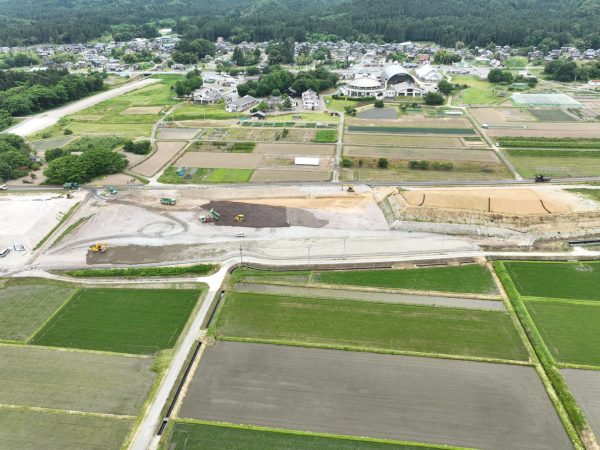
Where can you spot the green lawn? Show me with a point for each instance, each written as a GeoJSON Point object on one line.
{"type": "Point", "coordinates": [191, 111]}
{"type": "Point", "coordinates": [471, 278]}
{"type": "Point", "coordinates": [27, 429]}
{"type": "Point", "coordinates": [141, 321]}
{"type": "Point", "coordinates": [326, 136]}
{"type": "Point", "coordinates": [556, 280]}
{"type": "Point", "coordinates": [369, 326]}
{"type": "Point", "coordinates": [26, 304]}
{"type": "Point", "coordinates": [569, 329]}
{"type": "Point", "coordinates": [170, 176]}
{"type": "Point", "coordinates": [516, 62]}
{"type": "Point", "coordinates": [339, 105]}
{"type": "Point", "coordinates": [195, 436]}
{"type": "Point", "coordinates": [479, 92]}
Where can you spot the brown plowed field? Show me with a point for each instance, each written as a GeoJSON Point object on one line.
{"type": "Point", "coordinates": [403, 141]}
{"type": "Point", "coordinates": [211, 160]}
{"type": "Point", "coordinates": [421, 154]}
{"type": "Point", "coordinates": [295, 149]}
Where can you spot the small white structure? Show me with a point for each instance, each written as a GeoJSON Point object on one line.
{"type": "Point", "coordinates": [594, 83]}
{"type": "Point", "coordinates": [310, 100]}
{"type": "Point", "coordinates": [306, 161]}
{"type": "Point", "coordinates": [429, 74]}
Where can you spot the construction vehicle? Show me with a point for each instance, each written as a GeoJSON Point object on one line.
{"type": "Point", "coordinates": [211, 217]}
{"type": "Point", "coordinates": [542, 179]}
{"type": "Point", "coordinates": [3, 187]}
{"type": "Point", "coordinates": [110, 190]}
{"type": "Point", "coordinates": [168, 201]}
{"type": "Point", "coordinates": [240, 218]}
{"type": "Point", "coordinates": [98, 247]}
{"type": "Point", "coordinates": [71, 186]}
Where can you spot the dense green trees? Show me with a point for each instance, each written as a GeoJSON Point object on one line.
{"type": "Point", "coordinates": [192, 51]}
{"type": "Point", "coordinates": [275, 81]}
{"type": "Point", "coordinates": [192, 81]}
{"type": "Point", "coordinates": [433, 98]}
{"type": "Point", "coordinates": [138, 148]}
{"type": "Point", "coordinates": [23, 93]}
{"type": "Point", "coordinates": [500, 76]}
{"type": "Point", "coordinates": [446, 57]}
{"type": "Point", "coordinates": [245, 58]}
{"type": "Point", "coordinates": [281, 52]}
{"type": "Point", "coordinates": [568, 70]}
{"type": "Point", "coordinates": [82, 168]}
{"type": "Point", "coordinates": [14, 157]}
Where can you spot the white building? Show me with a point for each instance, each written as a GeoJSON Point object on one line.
{"type": "Point", "coordinates": [394, 81]}
{"type": "Point", "coordinates": [235, 103]}
{"type": "Point", "coordinates": [363, 87]}
{"type": "Point", "coordinates": [310, 100]}
{"type": "Point", "coordinates": [429, 74]}
{"type": "Point", "coordinates": [206, 95]}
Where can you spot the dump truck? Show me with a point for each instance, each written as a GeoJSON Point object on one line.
{"type": "Point", "coordinates": [71, 186]}
{"type": "Point", "coordinates": [211, 217]}
{"type": "Point", "coordinates": [542, 179]}
{"type": "Point", "coordinates": [99, 247]}
{"type": "Point", "coordinates": [168, 201]}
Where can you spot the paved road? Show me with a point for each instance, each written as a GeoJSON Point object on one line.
{"type": "Point", "coordinates": [338, 150]}
{"type": "Point", "coordinates": [48, 118]}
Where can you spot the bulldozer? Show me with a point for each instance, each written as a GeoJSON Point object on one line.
{"type": "Point", "coordinates": [240, 218]}
{"type": "Point", "coordinates": [98, 247]}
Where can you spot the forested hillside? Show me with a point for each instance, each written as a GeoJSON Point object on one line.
{"type": "Point", "coordinates": [548, 23]}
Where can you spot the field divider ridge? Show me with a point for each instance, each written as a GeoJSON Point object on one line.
{"type": "Point", "coordinates": [65, 411]}
{"type": "Point", "coordinates": [54, 314]}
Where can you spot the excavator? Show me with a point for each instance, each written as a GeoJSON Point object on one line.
{"type": "Point", "coordinates": [98, 247]}
{"type": "Point", "coordinates": [240, 218]}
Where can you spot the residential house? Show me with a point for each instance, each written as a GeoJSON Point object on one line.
{"type": "Point", "coordinates": [235, 103]}
{"type": "Point", "coordinates": [429, 74]}
{"type": "Point", "coordinates": [310, 100]}
{"type": "Point", "coordinates": [206, 96]}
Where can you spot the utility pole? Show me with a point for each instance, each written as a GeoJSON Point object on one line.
{"type": "Point", "coordinates": [241, 254]}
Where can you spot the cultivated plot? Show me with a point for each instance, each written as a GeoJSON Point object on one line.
{"type": "Point", "coordinates": [570, 329]}
{"type": "Point", "coordinates": [383, 327]}
{"type": "Point", "coordinates": [404, 141]}
{"type": "Point", "coordinates": [26, 304]}
{"type": "Point", "coordinates": [429, 154]}
{"type": "Point", "coordinates": [164, 153]}
{"type": "Point", "coordinates": [74, 380]}
{"type": "Point", "coordinates": [584, 385]}
{"type": "Point", "coordinates": [577, 280]}
{"type": "Point", "coordinates": [470, 278]}
{"type": "Point", "coordinates": [34, 430]}
{"type": "Point", "coordinates": [555, 163]}
{"type": "Point", "coordinates": [438, 401]}
{"type": "Point", "coordinates": [140, 321]}
{"type": "Point", "coordinates": [189, 436]}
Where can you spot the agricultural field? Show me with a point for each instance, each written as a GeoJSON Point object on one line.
{"type": "Point", "coordinates": [358, 325]}
{"type": "Point", "coordinates": [380, 396]}
{"type": "Point", "coordinates": [577, 280]}
{"type": "Point", "coordinates": [188, 435]}
{"type": "Point", "coordinates": [403, 141]}
{"type": "Point", "coordinates": [556, 143]}
{"type": "Point", "coordinates": [26, 304]}
{"type": "Point", "coordinates": [570, 329]}
{"type": "Point", "coordinates": [164, 153]}
{"type": "Point", "coordinates": [584, 384]}
{"type": "Point", "coordinates": [429, 154]}
{"type": "Point", "coordinates": [479, 92]}
{"type": "Point", "coordinates": [136, 321]}
{"type": "Point", "coordinates": [410, 130]}
{"type": "Point", "coordinates": [555, 163]}
{"type": "Point", "coordinates": [190, 111]}
{"type": "Point", "coordinates": [552, 115]}
{"type": "Point", "coordinates": [29, 429]}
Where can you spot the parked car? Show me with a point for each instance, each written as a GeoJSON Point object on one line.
{"type": "Point", "coordinates": [4, 252]}
{"type": "Point", "coordinates": [3, 187]}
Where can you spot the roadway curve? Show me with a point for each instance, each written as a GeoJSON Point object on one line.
{"type": "Point", "coordinates": [46, 119]}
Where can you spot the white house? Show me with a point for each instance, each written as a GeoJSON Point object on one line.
{"type": "Point", "coordinates": [429, 74]}
{"type": "Point", "coordinates": [206, 95]}
{"type": "Point", "coordinates": [310, 100]}
{"type": "Point", "coordinates": [235, 103]}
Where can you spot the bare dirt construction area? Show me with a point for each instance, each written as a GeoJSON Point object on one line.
{"type": "Point", "coordinates": [137, 110]}
{"type": "Point", "coordinates": [164, 153]}
{"type": "Point", "coordinates": [294, 149]}
{"type": "Point", "coordinates": [404, 141]}
{"type": "Point", "coordinates": [177, 133]}
{"type": "Point", "coordinates": [116, 179]}
{"type": "Point", "coordinates": [584, 385]}
{"type": "Point", "coordinates": [383, 396]}
{"type": "Point", "coordinates": [262, 216]}
{"type": "Point", "coordinates": [541, 129]}
{"type": "Point", "coordinates": [502, 201]}
{"type": "Point", "coordinates": [421, 154]}
{"type": "Point", "coordinates": [27, 218]}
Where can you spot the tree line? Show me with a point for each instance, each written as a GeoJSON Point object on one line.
{"type": "Point", "coordinates": [542, 23]}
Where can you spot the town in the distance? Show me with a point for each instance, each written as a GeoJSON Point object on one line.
{"type": "Point", "coordinates": [306, 241]}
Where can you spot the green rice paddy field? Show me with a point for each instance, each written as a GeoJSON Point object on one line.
{"type": "Point", "coordinates": [139, 321]}
{"type": "Point", "coordinates": [369, 326]}
{"type": "Point", "coordinates": [471, 278]}
{"type": "Point", "coordinates": [580, 280]}
{"type": "Point", "coordinates": [570, 329]}
{"type": "Point", "coordinates": [194, 436]}
{"type": "Point", "coordinates": [35, 430]}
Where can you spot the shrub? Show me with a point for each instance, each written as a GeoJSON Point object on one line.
{"type": "Point", "coordinates": [285, 133]}
{"type": "Point", "coordinates": [54, 153]}
{"type": "Point", "coordinates": [346, 162]}
{"type": "Point", "coordinates": [383, 163]}
{"type": "Point", "coordinates": [378, 104]}
{"type": "Point", "coordinates": [418, 165]}
{"type": "Point", "coordinates": [442, 165]}
{"type": "Point", "coordinates": [138, 148]}
{"type": "Point", "coordinates": [433, 98]}
{"type": "Point", "coordinates": [67, 132]}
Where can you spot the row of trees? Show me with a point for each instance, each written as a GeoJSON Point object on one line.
{"type": "Point", "coordinates": [29, 92]}
{"type": "Point", "coordinates": [568, 70]}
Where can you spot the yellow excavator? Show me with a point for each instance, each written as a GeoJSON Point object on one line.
{"type": "Point", "coordinates": [240, 218]}
{"type": "Point", "coordinates": [98, 247]}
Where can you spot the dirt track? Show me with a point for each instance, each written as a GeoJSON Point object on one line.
{"type": "Point", "coordinates": [164, 153]}
{"type": "Point", "coordinates": [472, 404]}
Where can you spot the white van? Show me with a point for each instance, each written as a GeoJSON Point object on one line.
{"type": "Point", "coordinates": [4, 252]}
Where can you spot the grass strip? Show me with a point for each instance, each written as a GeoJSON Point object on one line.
{"type": "Point", "coordinates": [69, 229]}
{"type": "Point", "coordinates": [139, 272]}
{"type": "Point", "coordinates": [541, 142]}
{"type": "Point", "coordinates": [208, 435]}
{"type": "Point", "coordinates": [566, 398]}
{"type": "Point", "coordinates": [65, 217]}
{"type": "Point", "coordinates": [555, 153]}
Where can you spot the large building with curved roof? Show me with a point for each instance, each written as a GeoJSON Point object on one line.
{"type": "Point", "coordinates": [394, 80]}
